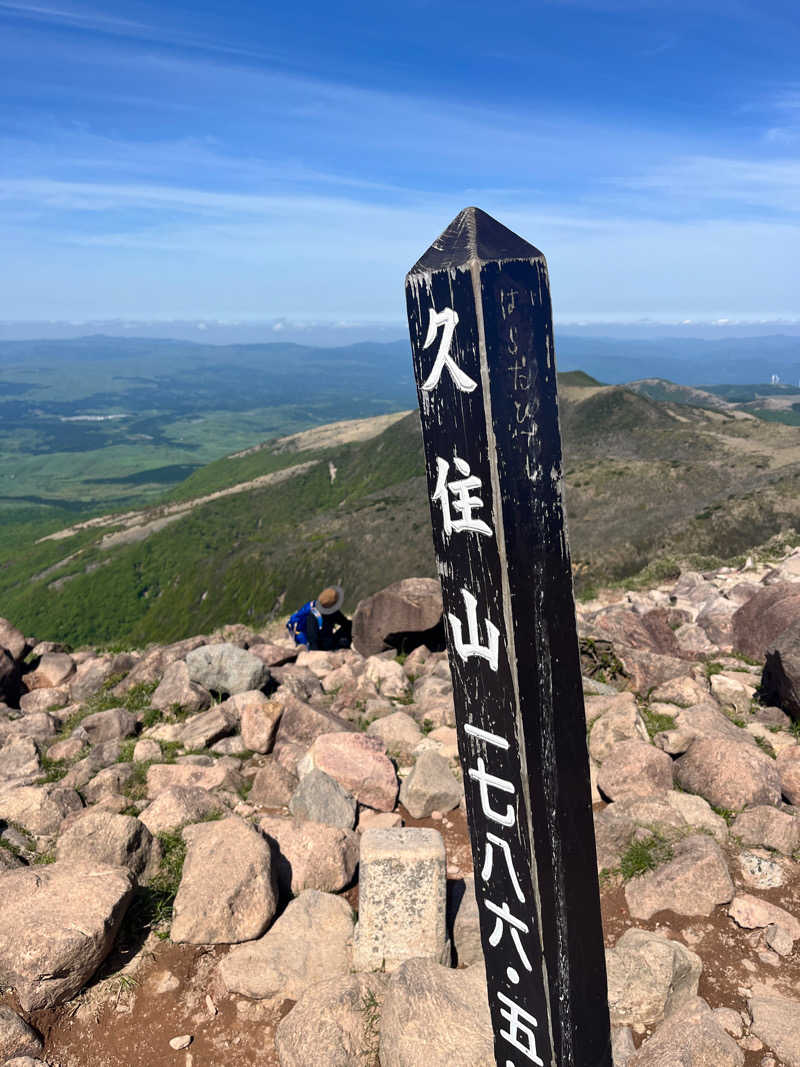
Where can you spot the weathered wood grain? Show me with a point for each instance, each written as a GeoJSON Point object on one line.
{"type": "Point", "coordinates": [481, 335]}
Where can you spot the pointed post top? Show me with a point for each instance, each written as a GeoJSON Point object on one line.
{"type": "Point", "coordinates": [473, 236]}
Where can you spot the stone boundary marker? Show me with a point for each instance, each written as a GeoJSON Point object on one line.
{"type": "Point", "coordinates": [402, 886]}
{"type": "Point", "coordinates": [481, 335]}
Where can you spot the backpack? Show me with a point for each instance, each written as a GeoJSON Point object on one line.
{"type": "Point", "coordinates": [297, 623]}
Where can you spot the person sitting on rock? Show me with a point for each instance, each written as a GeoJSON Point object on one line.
{"type": "Point", "coordinates": [320, 624]}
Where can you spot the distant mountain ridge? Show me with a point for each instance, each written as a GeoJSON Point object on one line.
{"type": "Point", "coordinates": [254, 533]}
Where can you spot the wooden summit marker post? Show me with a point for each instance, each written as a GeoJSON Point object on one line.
{"type": "Point", "coordinates": [481, 334]}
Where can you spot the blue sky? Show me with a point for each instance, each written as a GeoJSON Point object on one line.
{"type": "Point", "coordinates": [268, 161]}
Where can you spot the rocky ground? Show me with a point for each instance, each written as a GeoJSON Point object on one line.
{"type": "Point", "coordinates": [220, 852]}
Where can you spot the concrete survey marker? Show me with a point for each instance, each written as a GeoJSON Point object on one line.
{"type": "Point", "coordinates": [481, 335]}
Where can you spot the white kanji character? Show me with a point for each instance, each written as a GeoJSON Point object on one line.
{"type": "Point", "coordinates": [485, 735]}
{"type": "Point", "coordinates": [488, 863]}
{"type": "Point", "coordinates": [515, 925]}
{"type": "Point", "coordinates": [464, 503]}
{"type": "Point", "coordinates": [448, 318]}
{"type": "Point", "coordinates": [520, 1030]}
{"type": "Point", "coordinates": [490, 651]}
{"type": "Point", "coordinates": [484, 780]}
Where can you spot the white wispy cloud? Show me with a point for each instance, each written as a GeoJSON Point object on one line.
{"type": "Point", "coordinates": [763, 183]}
{"type": "Point", "coordinates": [93, 20]}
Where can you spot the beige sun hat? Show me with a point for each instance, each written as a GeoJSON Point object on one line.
{"type": "Point", "coordinates": [330, 600]}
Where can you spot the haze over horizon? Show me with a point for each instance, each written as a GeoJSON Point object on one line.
{"type": "Point", "coordinates": [221, 162]}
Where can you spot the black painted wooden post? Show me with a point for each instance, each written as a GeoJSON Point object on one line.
{"type": "Point", "coordinates": [481, 334]}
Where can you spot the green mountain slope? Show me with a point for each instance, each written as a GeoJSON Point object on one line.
{"type": "Point", "coordinates": [250, 537]}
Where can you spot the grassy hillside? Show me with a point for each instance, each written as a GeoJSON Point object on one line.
{"type": "Point", "coordinates": [647, 483]}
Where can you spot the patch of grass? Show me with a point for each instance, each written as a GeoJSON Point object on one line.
{"type": "Point", "coordinates": [737, 720]}
{"type": "Point", "coordinates": [370, 1009]}
{"type": "Point", "coordinates": [151, 717]}
{"type": "Point", "coordinates": [126, 750]}
{"type": "Point", "coordinates": [643, 856]}
{"type": "Point", "coordinates": [170, 750]}
{"type": "Point", "coordinates": [765, 746]}
{"type": "Point", "coordinates": [401, 657]}
{"type": "Point", "coordinates": [53, 770]}
{"type": "Point", "coordinates": [151, 908]}
{"type": "Point", "coordinates": [712, 668]}
{"type": "Point", "coordinates": [212, 816]}
{"type": "Point", "coordinates": [748, 660]}
{"type": "Point", "coordinates": [598, 660]}
{"type": "Point", "coordinates": [10, 847]}
{"type": "Point", "coordinates": [136, 788]}
{"type": "Point", "coordinates": [726, 813]}
{"type": "Point", "coordinates": [426, 727]}
{"type": "Point", "coordinates": [794, 729]}
{"type": "Point", "coordinates": [245, 787]}
{"type": "Point", "coordinates": [43, 858]}
{"type": "Point", "coordinates": [138, 697]}
{"type": "Point", "coordinates": [656, 722]}
{"type": "Point", "coordinates": [179, 713]}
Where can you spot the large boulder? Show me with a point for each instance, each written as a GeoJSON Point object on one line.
{"type": "Point", "coordinates": [431, 786]}
{"type": "Point", "coordinates": [19, 760]}
{"type": "Point", "coordinates": [178, 806]}
{"type": "Point", "coordinates": [789, 771]}
{"type": "Point", "coordinates": [635, 769]}
{"type": "Point", "coordinates": [311, 855]}
{"type": "Point", "coordinates": [273, 786]}
{"type": "Point", "coordinates": [775, 1021]}
{"type": "Point", "coordinates": [152, 666]}
{"type": "Point", "coordinates": [258, 717]}
{"type": "Point", "coordinates": [16, 1037]}
{"type": "Point", "coordinates": [228, 886]}
{"type": "Point", "coordinates": [729, 774]}
{"type": "Point", "coordinates": [622, 626]}
{"type": "Point", "coordinates": [320, 798]}
{"type": "Point", "coordinates": [780, 680]}
{"type": "Point", "coordinates": [407, 613]}
{"type": "Point", "coordinates": [57, 925]}
{"type": "Point", "coordinates": [219, 774]}
{"type": "Point", "coordinates": [334, 1023]}
{"type": "Point", "coordinates": [114, 840]}
{"type": "Point", "coordinates": [693, 882]}
{"type": "Point", "coordinates": [39, 809]}
{"type": "Point", "coordinates": [12, 639]}
{"type": "Point", "coordinates": [399, 732]}
{"type": "Point", "coordinates": [54, 668]}
{"type": "Point", "coordinates": [177, 690]}
{"type": "Point", "coordinates": [764, 617]}
{"type": "Point", "coordinates": [225, 668]}
{"type": "Point", "coordinates": [9, 679]}
{"type": "Point", "coordinates": [310, 943]}
{"type": "Point", "coordinates": [360, 765]}
{"type": "Point", "coordinates": [649, 977]}
{"type": "Point", "coordinates": [766, 827]}
{"type": "Point", "coordinates": [300, 725]}
{"type": "Point", "coordinates": [110, 725]}
{"type": "Point", "coordinates": [615, 725]}
{"type": "Point", "coordinates": [690, 1037]}
{"type": "Point", "coordinates": [204, 729]}
{"type": "Point", "coordinates": [436, 1017]}
{"type": "Point", "coordinates": [42, 700]}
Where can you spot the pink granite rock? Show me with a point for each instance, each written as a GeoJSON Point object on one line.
{"type": "Point", "coordinates": [360, 764]}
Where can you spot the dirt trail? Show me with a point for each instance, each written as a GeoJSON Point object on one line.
{"type": "Point", "coordinates": [136, 525]}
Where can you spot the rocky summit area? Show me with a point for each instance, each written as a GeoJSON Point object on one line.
{"type": "Point", "coordinates": [226, 851]}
